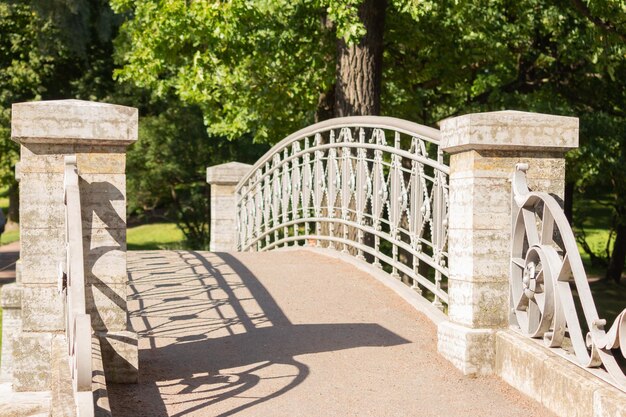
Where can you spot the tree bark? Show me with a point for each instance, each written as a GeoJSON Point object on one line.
{"type": "Point", "coordinates": [325, 106]}
{"type": "Point", "coordinates": [618, 256]}
{"type": "Point", "coordinates": [359, 65]}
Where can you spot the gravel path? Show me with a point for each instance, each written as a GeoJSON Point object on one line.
{"type": "Point", "coordinates": [288, 334]}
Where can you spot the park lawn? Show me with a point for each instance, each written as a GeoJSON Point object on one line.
{"type": "Point", "coordinates": [154, 236]}
{"type": "Point", "coordinates": [609, 297]}
{"type": "Point", "coordinates": [4, 202]}
{"type": "Point", "coordinates": [10, 236]}
{"type": "Point", "coordinates": [13, 234]}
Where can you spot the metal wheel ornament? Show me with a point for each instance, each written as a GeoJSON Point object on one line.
{"type": "Point", "coordinates": [544, 258]}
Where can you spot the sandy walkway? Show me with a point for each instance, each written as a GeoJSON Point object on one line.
{"type": "Point", "coordinates": [288, 334]}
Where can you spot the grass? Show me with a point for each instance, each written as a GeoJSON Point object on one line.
{"type": "Point", "coordinates": [12, 232]}
{"type": "Point", "coordinates": [10, 236]}
{"type": "Point", "coordinates": [154, 236]}
{"type": "Point", "coordinates": [609, 297]}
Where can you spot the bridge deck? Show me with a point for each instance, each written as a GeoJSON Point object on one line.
{"type": "Point", "coordinates": [288, 334]}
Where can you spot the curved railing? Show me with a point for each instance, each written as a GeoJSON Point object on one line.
{"type": "Point", "coordinates": [375, 187]}
{"type": "Point", "coordinates": [544, 258]}
{"type": "Point", "coordinates": [72, 287]}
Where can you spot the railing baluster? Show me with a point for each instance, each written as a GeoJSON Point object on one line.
{"type": "Point", "coordinates": [341, 191]}
{"type": "Point", "coordinates": [78, 322]}
{"type": "Point", "coordinates": [307, 178]}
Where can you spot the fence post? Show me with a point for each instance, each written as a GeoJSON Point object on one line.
{"type": "Point", "coordinates": [223, 180]}
{"type": "Point", "coordinates": [484, 148]}
{"type": "Point", "coordinates": [98, 135]}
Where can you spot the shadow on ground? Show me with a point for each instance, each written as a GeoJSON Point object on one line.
{"type": "Point", "coordinates": [212, 333]}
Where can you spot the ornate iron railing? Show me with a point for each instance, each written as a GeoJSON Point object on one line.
{"type": "Point", "coordinates": [544, 259]}
{"type": "Point", "coordinates": [72, 287]}
{"type": "Point", "coordinates": [375, 187]}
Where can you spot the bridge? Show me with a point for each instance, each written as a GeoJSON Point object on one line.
{"type": "Point", "coordinates": [363, 266]}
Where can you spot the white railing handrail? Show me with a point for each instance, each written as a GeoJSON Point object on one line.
{"type": "Point", "coordinates": [544, 259]}
{"type": "Point", "coordinates": [383, 122]}
{"type": "Point", "coordinates": [72, 285]}
{"type": "Point", "coordinates": [375, 187]}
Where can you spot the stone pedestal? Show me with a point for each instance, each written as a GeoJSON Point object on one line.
{"type": "Point", "coordinates": [98, 135]}
{"type": "Point", "coordinates": [223, 180]}
{"type": "Point", "coordinates": [484, 149]}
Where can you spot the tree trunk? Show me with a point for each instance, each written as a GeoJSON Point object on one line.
{"type": "Point", "coordinates": [618, 257]}
{"type": "Point", "coordinates": [14, 203]}
{"type": "Point", "coordinates": [325, 106]}
{"type": "Point", "coordinates": [359, 66]}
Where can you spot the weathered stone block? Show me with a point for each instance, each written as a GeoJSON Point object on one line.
{"type": "Point", "coordinates": [561, 386]}
{"type": "Point", "coordinates": [11, 296]}
{"type": "Point", "coordinates": [478, 304]}
{"type": "Point", "coordinates": [72, 121]}
{"type": "Point", "coordinates": [499, 163]}
{"type": "Point", "coordinates": [509, 130]}
{"type": "Point", "coordinates": [105, 265]}
{"type": "Point", "coordinates": [609, 402]}
{"type": "Point", "coordinates": [41, 200]}
{"type": "Point", "coordinates": [42, 309]}
{"type": "Point", "coordinates": [41, 241]}
{"type": "Point", "coordinates": [479, 255]}
{"type": "Point", "coordinates": [120, 355]}
{"type": "Point", "coordinates": [43, 158]}
{"type": "Point", "coordinates": [41, 269]}
{"type": "Point", "coordinates": [224, 179]}
{"type": "Point", "coordinates": [104, 215]}
{"type": "Point", "coordinates": [11, 302]}
{"type": "Point", "coordinates": [106, 303]}
{"type": "Point", "coordinates": [470, 350]}
{"type": "Point", "coordinates": [567, 389]}
{"type": "Point", "coordinates": [521, 363]}
{"type": "Point", "coordinates": [32, 354]}
{"type": "Point", "coordinates": [100, 160]}
{"type": "Point", "coordinates": [228, 173]}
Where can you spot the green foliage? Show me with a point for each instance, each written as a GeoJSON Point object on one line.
{"type": "Point", "coordinates": [259, 68]}
{"type": "Point", "coordinates": [25, 65]}
{"type": "Point", "coordinates": [252, 67]}
{"type": "Point", "coordinates": [167, 168]}
{"type": "Point", "coordinates": [51, 49]}
{"type": "Point", "coordinates": [155, 236]}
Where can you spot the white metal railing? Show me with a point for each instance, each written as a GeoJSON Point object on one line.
{"type": "Point", "coordinates": [544, 259]}
{"type": "Point", "coordinates": [374, 187]}
{"type": "Point", "coordinates": [72, 287]}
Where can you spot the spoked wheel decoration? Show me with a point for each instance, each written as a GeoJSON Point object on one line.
{"type": "Point", "coordinates": [544, 258]}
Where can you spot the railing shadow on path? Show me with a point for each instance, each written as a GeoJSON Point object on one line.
{"type": "Point", "coordinates": [225, 345]}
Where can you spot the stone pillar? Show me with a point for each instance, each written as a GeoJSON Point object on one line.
{"type": "Point", "coordinates": [98, 135]}
{"type": "Point", "coordinates": [11, 303]}
{"type": "Point", "coordinates": [223, 180]}
{"type": "Point", "coordinates": [484, 149]}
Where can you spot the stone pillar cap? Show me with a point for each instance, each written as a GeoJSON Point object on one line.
{"type": "Point", "coordinates": [228, 173]}
{"type": "Point", "coordinates": [509, 130]}
{"type": "Point", "coordinates": [73, 122]}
